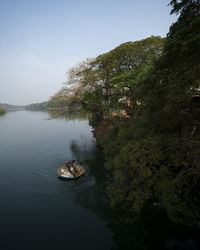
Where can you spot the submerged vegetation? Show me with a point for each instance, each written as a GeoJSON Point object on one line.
{"type": "Point", "coordinates": [149, 90]}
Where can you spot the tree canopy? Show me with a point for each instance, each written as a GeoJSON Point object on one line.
{"type": "Point", "coordinates": [158, 157]}
{"type": "Point", "coordinates": [153, 155]}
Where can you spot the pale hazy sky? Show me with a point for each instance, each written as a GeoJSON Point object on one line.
{"type": "Point", "coordinates": [41, 39]}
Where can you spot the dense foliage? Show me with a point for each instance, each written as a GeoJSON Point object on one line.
{"type": "Point", "coordinates": [115, 75]}
{"type": "Point", "coordinates": [153, 155]}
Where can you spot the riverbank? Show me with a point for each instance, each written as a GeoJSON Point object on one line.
{"type": "Point", "coordinates": [102, 128]}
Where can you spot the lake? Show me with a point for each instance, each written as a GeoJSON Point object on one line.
{"type": "Point", "coordinates": [40, 211]}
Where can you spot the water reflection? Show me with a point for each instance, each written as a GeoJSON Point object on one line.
{"type": "Point", "coordinates": [151, 231]}
{"type": "Point", "coordinates": [70, 115]}
{"type": "Point", "coordinates": [36, 206]}
{"type": "Point", "coordinates": [47, 212]}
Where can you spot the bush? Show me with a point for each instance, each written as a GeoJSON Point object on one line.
{"type": "Point", "coordinates": [2, 111]}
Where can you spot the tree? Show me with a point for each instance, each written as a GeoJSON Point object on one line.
{"type": "Point", "coordinates": [127, 60]}
{"type": "Point", "coordinates": [181, 50]}
{"type": "Point", "coordinates": [149, 158]}
{"type": "Point", "coordinates": [73, 89]}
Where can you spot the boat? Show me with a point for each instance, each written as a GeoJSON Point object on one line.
{"type": "Point", "coordinates": [63, 172]}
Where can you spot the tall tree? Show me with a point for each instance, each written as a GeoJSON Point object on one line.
{"type": "Point", "coordinates": [149, 158]}
{"type": "Point", "coordinates": [128, 58]}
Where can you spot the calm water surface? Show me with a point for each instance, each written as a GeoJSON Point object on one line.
{"type": "Point", "coordinates": [40, 211]}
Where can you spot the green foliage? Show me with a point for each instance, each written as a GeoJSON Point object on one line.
{"type": "Point", "coordinates": [152, 158]}
{"type": "Point", "coordinates": [92, 102]}
{"type": "Point", "coordinates": [105, 84]}
{"type": "Point", "coordinates": [181, 50]}
{"type": "Point", "coordinates": [2, 111]}
{"type": "Point", "coordinates": [118, 71]}
{"type": "Point", "coordinates": [158, 167]}
{"type": "Point", "coordinates": [126, 86]}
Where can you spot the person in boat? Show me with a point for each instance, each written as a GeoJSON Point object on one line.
{"type": "Point", "coordinates": [70, 166]}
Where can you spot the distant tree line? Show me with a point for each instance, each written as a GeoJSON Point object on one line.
{"type": "Point", "coordinates": [154, 154]}
{"type": "Point", "coordinates": [37, 106]}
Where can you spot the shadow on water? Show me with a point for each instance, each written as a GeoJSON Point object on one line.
{"type": "Point", "coordinates": [152, 230]}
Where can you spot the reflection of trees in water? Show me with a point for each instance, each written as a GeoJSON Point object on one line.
{"type": "Point", "coordinates": [151, 231]}
{"type": "Point", "coordinates": [90, 156]}
{"type": "Point", "coordinates": [67, 115]}
{"type": "Point", "coordinates": [91, 193]}
{"type": "Point", "coordinates": [91, 190]}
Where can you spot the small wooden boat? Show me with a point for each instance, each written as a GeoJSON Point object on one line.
{"type": "Point", "coordinates": [63, 172]}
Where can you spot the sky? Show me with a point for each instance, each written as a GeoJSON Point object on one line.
{"type": "Point", "coordinates": [41, 39]}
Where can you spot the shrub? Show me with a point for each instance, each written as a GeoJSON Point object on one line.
{"type": "Point", "coordinates": [2, 111]}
